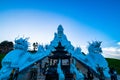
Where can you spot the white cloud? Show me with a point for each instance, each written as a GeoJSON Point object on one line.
{"type": "Point", "coordinates": [112, 49]}
{"type": "Point", "coordinates": [111, 52]}
{"type": "Point", "coordinates": [118, 43]}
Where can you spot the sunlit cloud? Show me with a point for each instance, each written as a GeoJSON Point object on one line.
{"type": "Point", "coordinates": [112, 49]}
{"type": "Point", "coordinates": [118, 43]}
{"type": "Point", "coordinates": [112, 52]}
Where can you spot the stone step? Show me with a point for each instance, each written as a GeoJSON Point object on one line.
{"type": "Point", "coordinates": [41, 77]}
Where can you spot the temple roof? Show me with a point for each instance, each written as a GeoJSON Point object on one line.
{"type": "Point", "coordinates": [60, 53]}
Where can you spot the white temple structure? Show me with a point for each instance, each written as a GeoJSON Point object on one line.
{"type": "Point", "coordinates": [24, 60]}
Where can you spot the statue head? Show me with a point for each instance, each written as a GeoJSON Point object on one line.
{"type": "Point", "coordinates": [94, 47]}
{"type": "Point", "coordinates": [60, 31]}
{"type": "Point", "coordinates": [21, 43]}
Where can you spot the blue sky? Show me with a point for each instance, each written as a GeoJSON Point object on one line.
{"type": "Point", "coordinates": [83, 21]}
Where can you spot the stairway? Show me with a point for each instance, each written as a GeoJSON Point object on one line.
{"type": "Point", "coordinates": [40, 76]}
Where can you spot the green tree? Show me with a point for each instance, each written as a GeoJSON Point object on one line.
{"type": "Point", "coordinates": [6, 46]}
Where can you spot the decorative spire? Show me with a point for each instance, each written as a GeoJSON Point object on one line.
{"type": "Point", "coordinates": [60, 31]}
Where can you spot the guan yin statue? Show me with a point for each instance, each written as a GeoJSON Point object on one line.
{"type": "Point", "coordinates": [61, 59]}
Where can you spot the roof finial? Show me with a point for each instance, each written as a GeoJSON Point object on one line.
{"type": "Point", "coordinates": [60, 30]}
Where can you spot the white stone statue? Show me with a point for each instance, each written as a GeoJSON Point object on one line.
{"type": "Point", "coordinates": [95, 57]}
{"type": "Point", "coordinates": [60, 31]}
{"type": "Point", "coordinates": [12, 59]}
